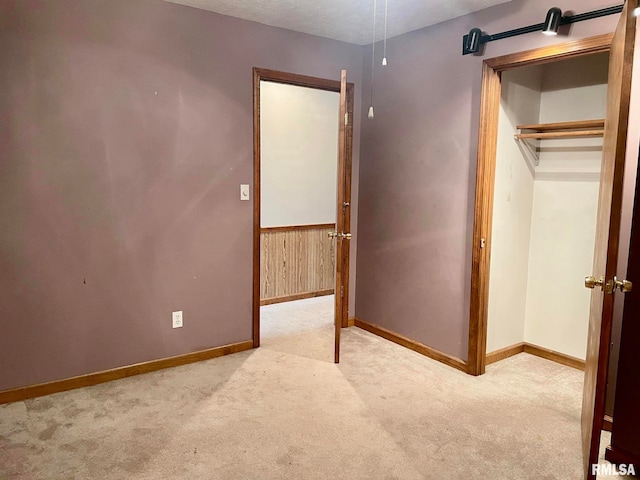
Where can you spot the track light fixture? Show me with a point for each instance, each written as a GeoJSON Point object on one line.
{"type": "Point", "coordinates": [472, 41]}
{"type": "Point", "coordinates": [552, 22]}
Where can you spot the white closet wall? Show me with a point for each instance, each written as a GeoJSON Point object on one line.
{"type": "Point", "coordinates": [565, 200]}
{"type": "Point", "coordinates": [512, 208]}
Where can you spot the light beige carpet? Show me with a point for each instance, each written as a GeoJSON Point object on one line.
{"type": "Point", "coordinates": [285, 411]}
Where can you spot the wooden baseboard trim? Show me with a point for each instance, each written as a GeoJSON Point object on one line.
{"type": "Point", "coordinates": [33, 391]}
{"type": "Point", "coordinates": [531, 349]}
{"type": "Point", "coordinates": [351, 322]}
{"type": "Point", "coordinates": [503, 353]}
{"type": "Point", "coordinates": [297, 296]}
{"type": "Point", "coordinates": [607, 424]}
{"type": "Point", "coordinates": [554, 356]}
{"type": "Point", "coordinates": [412, 345]}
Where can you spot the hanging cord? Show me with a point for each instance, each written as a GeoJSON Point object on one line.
{"type": "Point", "coordinates": [386, 15]}
{"type": "Point", "coordinates": [373, 56]}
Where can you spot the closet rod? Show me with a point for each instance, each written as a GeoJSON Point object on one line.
{"type": "Point", "coordinates": [563, 134]}
{"type": "Point", "coordinates": [580, 124]}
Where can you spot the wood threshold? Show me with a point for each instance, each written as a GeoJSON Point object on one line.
{"type": "Point", "coordinates": [564, 134]}
{"type": "Point", "coordinates": [578, 124]}
{"type": "Point", "coordinates": [412, 345]}
{"type": "Point", "coordinates": [503, 353]}
{"type": "Point", "coordinates": [88, 380]}
{"type": "Point", "coordinates": [294, 228]}
{"type": "Point", "coordinates": [296, 296]}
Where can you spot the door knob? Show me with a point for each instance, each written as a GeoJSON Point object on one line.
{"type": "Point", "coordinates": [591, 282]}
{"type": "Point", "coordinates": [625, 286]}
{"type": "Point", "coordinates": [346, 236]}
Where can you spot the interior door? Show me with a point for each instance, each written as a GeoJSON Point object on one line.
{"type": "Point", "coordinates": [607, 233]}
{"type": "Point", "coordinates": [341, 234]}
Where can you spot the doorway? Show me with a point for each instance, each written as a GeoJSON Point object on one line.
{"type": "Point", "coordinates": [493, 71]}
{"type": "Point", "coordinates": [302, 190]}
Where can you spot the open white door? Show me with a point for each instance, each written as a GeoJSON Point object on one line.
{"type": "Point", "coordinates": [604, 281]}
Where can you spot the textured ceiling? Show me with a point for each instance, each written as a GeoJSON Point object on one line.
{"type": "Point", "coordinates": [347, 20]}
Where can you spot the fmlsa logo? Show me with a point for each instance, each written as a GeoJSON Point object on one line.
{"type": "Point", "coordinates": [621, 470]}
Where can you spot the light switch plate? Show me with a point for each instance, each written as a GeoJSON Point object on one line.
{"type": "Point", "coordinates": [244, 192]}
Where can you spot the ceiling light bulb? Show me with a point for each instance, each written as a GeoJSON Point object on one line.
{"type": "Point", "coordinates": [370, 112]}
{"type": "Point", "coordinates": [384, 62]}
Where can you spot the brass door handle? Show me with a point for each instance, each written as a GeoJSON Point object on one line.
{"type": "Point", "coordinates": [346, 236]}
{"type": "Point", "coordinates": [591, 282]}
{"type": "Point", "coordinates": [625, 286]}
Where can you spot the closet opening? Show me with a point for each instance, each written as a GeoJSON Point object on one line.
{"type": "Point", "coordinates": [545, 205]}
{"type": "Point", "coordinates": [559, 142]}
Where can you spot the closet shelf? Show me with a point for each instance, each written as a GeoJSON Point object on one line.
{"type": "Point", "coordinates": [578, 129]}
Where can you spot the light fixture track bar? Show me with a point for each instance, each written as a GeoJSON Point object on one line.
{"type": "Point", "coordinates": [591, 15]}
{"type": "Point", "coordinates": [515, 32]}
{"type": "Point", "coordinates": [471, 45]}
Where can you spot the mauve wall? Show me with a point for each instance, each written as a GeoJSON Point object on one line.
{"type": "Point", "coordinates": [126, 130]}
{"type": "Point", "coordinates": [418, 166]}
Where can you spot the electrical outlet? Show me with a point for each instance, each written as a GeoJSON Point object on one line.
{"type": "Point", "coordinates": [176, 319]}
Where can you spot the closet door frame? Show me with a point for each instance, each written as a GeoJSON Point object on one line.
{"type": "Point", "coordinates": [485, 176]}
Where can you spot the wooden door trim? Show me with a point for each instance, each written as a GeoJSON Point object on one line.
{"type": "Point", "coordinates": [263, 74]}
{"type": "Point", "coordinates": [485, 176]}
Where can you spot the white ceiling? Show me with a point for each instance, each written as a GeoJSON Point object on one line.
{"type": "Point", "coordinates": [346, 20]}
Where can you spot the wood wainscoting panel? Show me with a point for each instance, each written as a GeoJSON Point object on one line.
{"type": "Point", "coordinates": [296, 262]}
